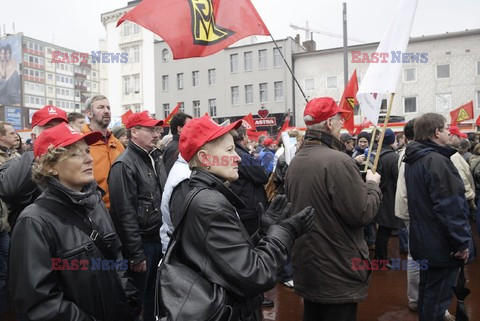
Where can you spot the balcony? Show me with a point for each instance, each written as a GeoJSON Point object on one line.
{"type": "Point", "coordinates": [81, 76]}
{"type": "Point", "coordinates": [33, 65]}
{"type": "Point", "coordinates": [81, 88]}
{"type": "Point", "coordinates": [34, 52]}
{"type": "Point", "coordinates": [86, 65]}
{"type": "Point", "coordinates": [34, 79]}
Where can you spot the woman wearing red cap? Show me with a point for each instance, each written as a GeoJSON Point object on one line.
{"type": "Point", "coordinates": [210, 238]}
{"type": "Point", "coordinates": [67, 256]}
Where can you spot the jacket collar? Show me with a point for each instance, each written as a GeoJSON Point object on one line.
{"type": "Point", "coordinates": [140, 151]}
{"type": "Point", "coordinates": [203, 178]}
{"type": "Point", "coordinates": [237, 145]}
{"type": "Point", "coordinates": [315, 137]}
{"type": "Point", "coordinates": [176, 137]}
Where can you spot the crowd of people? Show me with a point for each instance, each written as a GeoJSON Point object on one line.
{"type": "Point", "coordinates": [122, 224]}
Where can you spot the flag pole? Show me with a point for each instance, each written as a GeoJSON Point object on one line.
{"type": "Point", "coordinates": [289, 69]}
{"type": "Point", "coordinates": [382, 135]}
{"type": "Point", "coordinates": [370, 148]}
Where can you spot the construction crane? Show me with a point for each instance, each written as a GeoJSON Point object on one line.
{"type": "Point", "coordinates": [309, 30]}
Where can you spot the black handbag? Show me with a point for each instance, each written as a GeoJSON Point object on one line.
{"type": "Point", "coordinates": [185, 294]}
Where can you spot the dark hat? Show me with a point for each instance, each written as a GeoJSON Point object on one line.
{"type": "Point", "coordinates": [345, 137]}
{"type": "Point", "coordinates": [389, 137]}
{"type": "Point", "coordinates": [118, 131]}
{"type": "Point", "coordinates": [364, 135]}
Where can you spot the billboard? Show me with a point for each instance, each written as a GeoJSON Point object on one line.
{"type": "Point", "coordinates": [13, 115]}
{"type": "Point", "coordinates": [10, 59]}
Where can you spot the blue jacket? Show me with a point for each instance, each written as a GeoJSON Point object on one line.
{"type": "Point", "coordinates": [267, 158]}
{"type": "Point", "coordinates": [437, 205]}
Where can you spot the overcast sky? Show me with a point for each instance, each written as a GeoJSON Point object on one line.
{"type": "Point", "coordinates": [76, 24]}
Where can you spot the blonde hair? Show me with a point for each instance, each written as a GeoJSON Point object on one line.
{"type": "Point", "coordinates": [42, 169]}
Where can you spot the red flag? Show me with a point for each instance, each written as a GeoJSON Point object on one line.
{"type": "Point", "coordinates": [166, 122]}
{"type": "Point", "coordinates": [248, 122]}
{"type": "Point", "coordinates": [478, 121]}
{"type": "Point", "coordinates": [286, 124]}
{"type": "Point", "coordinates": [198, 28]}
{"type": "Point", "coordinates": [253, 135]}
{"type": "Point", "coordinates": [125, 116]}
{"type": "Point", "coordinates": [462, 113]}
{"type": "Point", "coordinates": [349, 101]}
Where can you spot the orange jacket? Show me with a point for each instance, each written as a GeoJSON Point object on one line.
{"type": "Point", "coordinates": [104, 154]}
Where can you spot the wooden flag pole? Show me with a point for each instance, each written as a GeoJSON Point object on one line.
{"type": "Point", "coordinates": [382, 135]}
{"type": "Point", "coordinates": [370, 148]}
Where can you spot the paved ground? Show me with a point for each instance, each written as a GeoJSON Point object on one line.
{"type": "Point", "coordinates": [387, 299]}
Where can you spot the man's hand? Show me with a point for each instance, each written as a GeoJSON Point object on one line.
{"type": "Point", "coordinates": [140, 267]}
{"type": "Point", "coordinates": [461, 255]}
{"type": "Point", "coordinates": [360, 159]}
{"type": "Point", "coordinates": [373, 177]}
{"type": "Point", "coordinates": [277, 211]}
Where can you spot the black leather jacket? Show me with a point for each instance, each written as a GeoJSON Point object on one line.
{"type": "Point", "coordinates": [41, 290]}
{"type": "Point", "coordinates": [135, 198]}
{"type": "Point", "coordinates": [214, 241]}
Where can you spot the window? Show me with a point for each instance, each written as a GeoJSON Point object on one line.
{"type": "Point", "coordinates": [137, 108]}
{"type": "Point", "coordinates": [310, 84]}
{"type": "Point", "coordinates": [383, 106]}
{"type": "Point", "coordinates": [165, 55]}
{"type": "Point", "coordinates": [126, 85]}
{"type": "Point", "coordinates": [196, 108]}
{"type": "Point", "coordinates": [136, 28]}
{"type": "Point", "coordinates": [166, 110]}
{"type": "Point", "coordinates": [136, 54]}
{"type": "Point", "coordinates": [247, 60]}
{"type": "Point", "coordinates": [136, 84]}
{"type": "Point", "coordinates": [126, 108]}
{"type": "Point", "coordinates": [262, 59]}
{"type": "Point", "coordinates": [443, 71]}
{"type": "Point", "coordinates": [212, 77]}
{"type": "Point", "coordinates": [277, 57]}
{"type": "Point", "coordinates": [332, 82]}
{"type": "Point", "coordinates": [248, 94]}
{"type": "Point", "coordinates": [195, 78]}
{"type": "Point", "coordinates": [235, 93]}
{"type": "Point", "coordinates": [278, 85]}
{"type": "Point", "coordinates": [94, 74]}
{"type": "Point", "coordinates": [182, 107]}
{"type": "Point", "coordinates": [263, 92]}
{"type": "Point", "coordinates": [126, 28]}
{"type": "Point", "coordinates": [180, 81]}
{"type": "Point", "coordinates": [409, 74]}
{"type": "Point", "coordinates": [410, 105]}
{"type": "Point", "coordinates": [478, 68]}
{"type": "Point", "coordinates": [444, 102]}
{"type": "Point", "coordinates": [212, 107]}
{"type": "Point", "coordinates": [234, 63]}
{"type": "Point", "coordinates": [165, 82]}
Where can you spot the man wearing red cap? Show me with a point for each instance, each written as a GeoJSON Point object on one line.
{"type": "Point", "coordinates": [266, 155]}
{"type": "Point", "coordinates": [136, 180]}
{"type": "Point", "coordinates": [106, 150]}
{"type": "Point", "coordinates": [323, 176]}
{"type": "Point", "coordinates": [16, 186]}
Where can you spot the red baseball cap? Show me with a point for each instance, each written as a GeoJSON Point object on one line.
{"type": "Point", "coordinates": [200, 131]}
{"type": "Point", "coordinates": [42, 116]}
{"type": "Point", "coordinates": [142, 119]}
{"type": "Point", "coordinates": [321, 109]}
{"type": "Point", "coordinates": [62, 135]}
{"type": "Point", "coordinates": [455, 131]}
{"type": "Point", "coordinates": [267, 142]}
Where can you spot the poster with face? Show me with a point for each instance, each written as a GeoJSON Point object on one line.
{"type": "Point", "coordinates": [10, 59]}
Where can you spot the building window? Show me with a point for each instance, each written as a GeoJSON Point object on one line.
{"type": "Point", "coordinates": [182, 107]}
{"type": "Point", "coordinates": [165, 55]}
{"type": "Point", "coordinates": [235, 93]}
{"type": "Point", "coordinates": [126, 108]}
{"type": "Point", "coordinates": [212, 77]}
{"type": "Point", "coordinates": [443, 71]}
{"type": "Point", "coordinates": [278, 85]}
{"type": "Point", "coordinates": [248, 94]}
{"type": "Point", "coordinates": [136, 84]}
{"type": "Point", "coordinates": [310, 84]}
{"type": "Point", "coordinates": [136, 54]}
{"type": "Point", "coordinates": [137, 108]}
{"type": "Point", "coordinates": [277, 57]}
{"type": "Point", "coordinates": [478, 68]}
{"type": "Point", "coordinates": [409, 74]}
{"type": "Point", "coordinates": [263, 92]}
{"type": "Point", "coordinates": [136, 28]}
{"type": "Point", "coordinates": [126, 85]}
{"type": "Point", "coordinates": [332, 82]}
{"type": "Point", "coordinates": [410, 105]}
{"type": "Point", "coordinates": [180, 81]}
{"type": "Point", "coordinates": [262, 59]}
{"type": "Point", "coordinates": [444, 102]}
{"type": "Point", "coordinates": [234, 63]}
{"type": "Point", "coordinates": [212, 107]}
{"type": "Point", "coordinates": [166, 110]}
{"type": "Point", "coordinates": [196, 108]}
{"type": "Point", "coordinates": [247, 60]}
{"type": "Point", "coordinates": [165, 82]}
{"type": "Point", "coordinates": [383, 106]}
{"type": "Point", "coordinates": [126, 28]}
{"type": "Point", "coordinates": [195, 78]}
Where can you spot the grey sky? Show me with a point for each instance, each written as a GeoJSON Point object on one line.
{"type": "Point", "coordinates": [77, 25]}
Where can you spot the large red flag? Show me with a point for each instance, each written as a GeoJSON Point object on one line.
{"type": "Point", "coordinates": [194, 28]}
{"type": "Point", "coordinates": [125, 116]}
{"type": "Point", "coordinates": [253, 135]}
{"type": "Point", "coordinates": [478, 121]}
{"type": "Point", "coordinates": [349, 101]}
{"type": "Point", "coordinates": [462, 113]}
{"type": "Point", "coordinates": [166, 122]}
{"type": "Point", "coordinates": [248, 122]}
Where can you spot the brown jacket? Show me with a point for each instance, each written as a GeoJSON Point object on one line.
{"type": "Point", "coordinates": [104, 155]}
{"type": "Point", "coordinates": [329, 180]}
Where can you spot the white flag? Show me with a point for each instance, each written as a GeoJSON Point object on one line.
{"type": "Point", "coordinates": [382, 78]}
{"type": "Point", "coordinates": [225, 123]}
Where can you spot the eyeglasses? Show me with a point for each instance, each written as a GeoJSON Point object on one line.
{"type": "Point", "coordinates": [152, 130]}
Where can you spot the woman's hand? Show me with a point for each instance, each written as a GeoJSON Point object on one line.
{"type": "Point", "coordinates": [300, 223]}
{"type": "Point", "coordinates": [276, 212]}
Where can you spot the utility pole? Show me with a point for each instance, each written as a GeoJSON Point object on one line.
{"type": "Point", "coordinates": [345, 46]}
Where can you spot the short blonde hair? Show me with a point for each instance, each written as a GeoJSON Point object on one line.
{"type": "Point", "coordinates": [42, 169]}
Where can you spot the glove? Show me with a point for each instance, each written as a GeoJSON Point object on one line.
{"type": "Point", "coordinates": [299, 223]}
{"type": "Point", "coordinates": [276, 212]}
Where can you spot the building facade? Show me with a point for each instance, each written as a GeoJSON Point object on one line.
{"type": "Point", "coordinates": [36, 78]}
